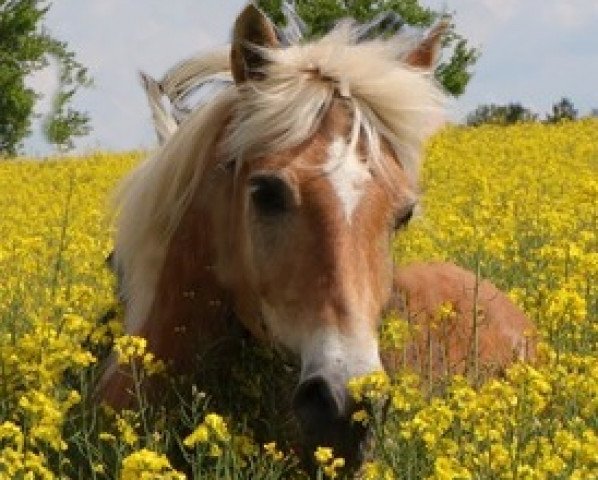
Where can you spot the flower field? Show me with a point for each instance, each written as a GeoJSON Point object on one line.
{"type": "Point", "coordinates": [517, 204]}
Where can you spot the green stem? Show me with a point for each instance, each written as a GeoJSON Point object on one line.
{"type": "Point", "coordinates": [61, 245]}
{"type": "Point", "coordinates": [139, 395]}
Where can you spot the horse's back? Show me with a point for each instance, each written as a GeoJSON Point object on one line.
{"type": "Point", "coordinates": [457, 321]}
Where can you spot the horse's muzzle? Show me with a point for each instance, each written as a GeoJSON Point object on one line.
{"type": "Point", "coordinates": [324, 408]}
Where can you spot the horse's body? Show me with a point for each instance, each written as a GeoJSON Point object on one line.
{"type": "Point", "coordinates": [272, 207]}
{"type": "Point", "coordinates": [482, 328]}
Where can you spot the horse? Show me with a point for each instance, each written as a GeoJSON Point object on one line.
{"type": "Point", "coordinates": [272, 206]}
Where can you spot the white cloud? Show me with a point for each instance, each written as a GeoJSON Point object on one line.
{"type": "Point", "coordinates": [500, 10]}
{"type": "Point", "coordinates": [478, 20]}
{"type": "Point", "coordinates": [104, 8]}
{"type": "Point", "coordinates": [573, 14]}
{"type": "Point", "coordinates": [483, 20]}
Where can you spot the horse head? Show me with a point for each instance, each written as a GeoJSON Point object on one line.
{"type": "Point", "coordinates": [325, 173]}
{"type": "Point", "coordinates": [280, 197]}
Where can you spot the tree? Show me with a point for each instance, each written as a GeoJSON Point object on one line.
{"type": "Point", "coordinates": [320, 15]}
{"type": "Point", "coordinates": [562, 110]}
{"type": "Point", "coordinates": [25, 48]}
{"type": "Point", "coordinates": [501, 115]}
{"type": "Point", "coordinates": [63, 122]}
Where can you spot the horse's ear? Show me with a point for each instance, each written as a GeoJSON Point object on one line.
{"type": "Point", "coordinates": [427, 53]}
{"type": "Point", "coordinates": [252, 30]}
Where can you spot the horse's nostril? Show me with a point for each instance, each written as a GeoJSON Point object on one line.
{"type": "Point", "coordinates": [317, 403]}
{"type": "Point", "coordinates": [323, 408]}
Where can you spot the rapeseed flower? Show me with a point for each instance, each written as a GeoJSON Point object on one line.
{"type": "Point", "coordinates": [148, 465]}
{"type": "Point", "coordinates": [517, 204]}
{"type": "Point", "coordinates": [328, 464]}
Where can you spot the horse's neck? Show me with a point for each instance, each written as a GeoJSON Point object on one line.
{"type": "Point", "coordinates": [191, 310]}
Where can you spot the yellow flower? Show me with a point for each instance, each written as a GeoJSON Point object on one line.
{"type": "Point", "coordinates": [148, 465]}
{"type": "Point", "coordinates": [151, 365]}
{"type": "Point", "coordinates": [217, 426]}
{"type": "Point", "coordinates": [126, 431]}
{"type": "Point", "coordinates": [328, 463]}
{"type": "Point", "coordinates": [11, 432]}
{"type": "Point", "coordinates": [375, 471]}
{"type": "Point", "coordinates": [107, 437]}
{"type": "Point", "coordinates": [272, 452]}
{"type": "Point", "coordinates": [129, 348]}
{"type": "Point", "coordinates": [211, 431]}
{"type": "Point", "coordinates": [373, 386]}
{"type": "Point", "coordinates": [446, 312]}
{"type": "Point", "coordinates": [446, 468]}
{"type": "Point", "coordinates": [394, 332]}
{"type": "Point", "coordinates": [361, 416]}
{"type": "Point", "coordinates": [323, 455]}
{"type": "Point", "coordinates": [331, 470]}
{"type": "Point", "coordinates": [215, 450]}
{"type": "Point", "coordinates": [200, 435]}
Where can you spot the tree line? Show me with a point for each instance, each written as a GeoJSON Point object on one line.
{"type": "Point", "coordinates": [511, 113]}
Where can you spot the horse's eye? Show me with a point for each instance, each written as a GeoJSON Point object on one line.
{"type": "Point", "coordinates": [404, 217]}
{"type": "Point", "coordinates": [270, 194]}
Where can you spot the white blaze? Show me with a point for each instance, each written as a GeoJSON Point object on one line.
{"type": "Point", "coordinates": [347, 174]}
{"type": "Point", "coordinates": [326, 349]}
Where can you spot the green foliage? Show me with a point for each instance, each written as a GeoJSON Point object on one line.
{"type": "Point", "coordinates": [512, 113]}
{"type": "Point", "coordinates": [501, 115]}
{"type": "Point", "coordinates": [321, 15]}
{"type": "Point", "coordinates": [455, 73]}
{"type": "Point", "coordinates": [63, 123]}
{"type": "Point", "coordinates": [562, 110]}
{"type": "Point", "coordinates": [25, 48]}
{"type": "Point", "coordinates": [16, 104]}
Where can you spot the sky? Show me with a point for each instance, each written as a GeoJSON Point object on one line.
{"type": "Point", "coordinates": [533, 51]}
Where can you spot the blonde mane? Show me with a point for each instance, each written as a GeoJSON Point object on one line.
{"type": "Point", "coordinates": [388, 99]}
